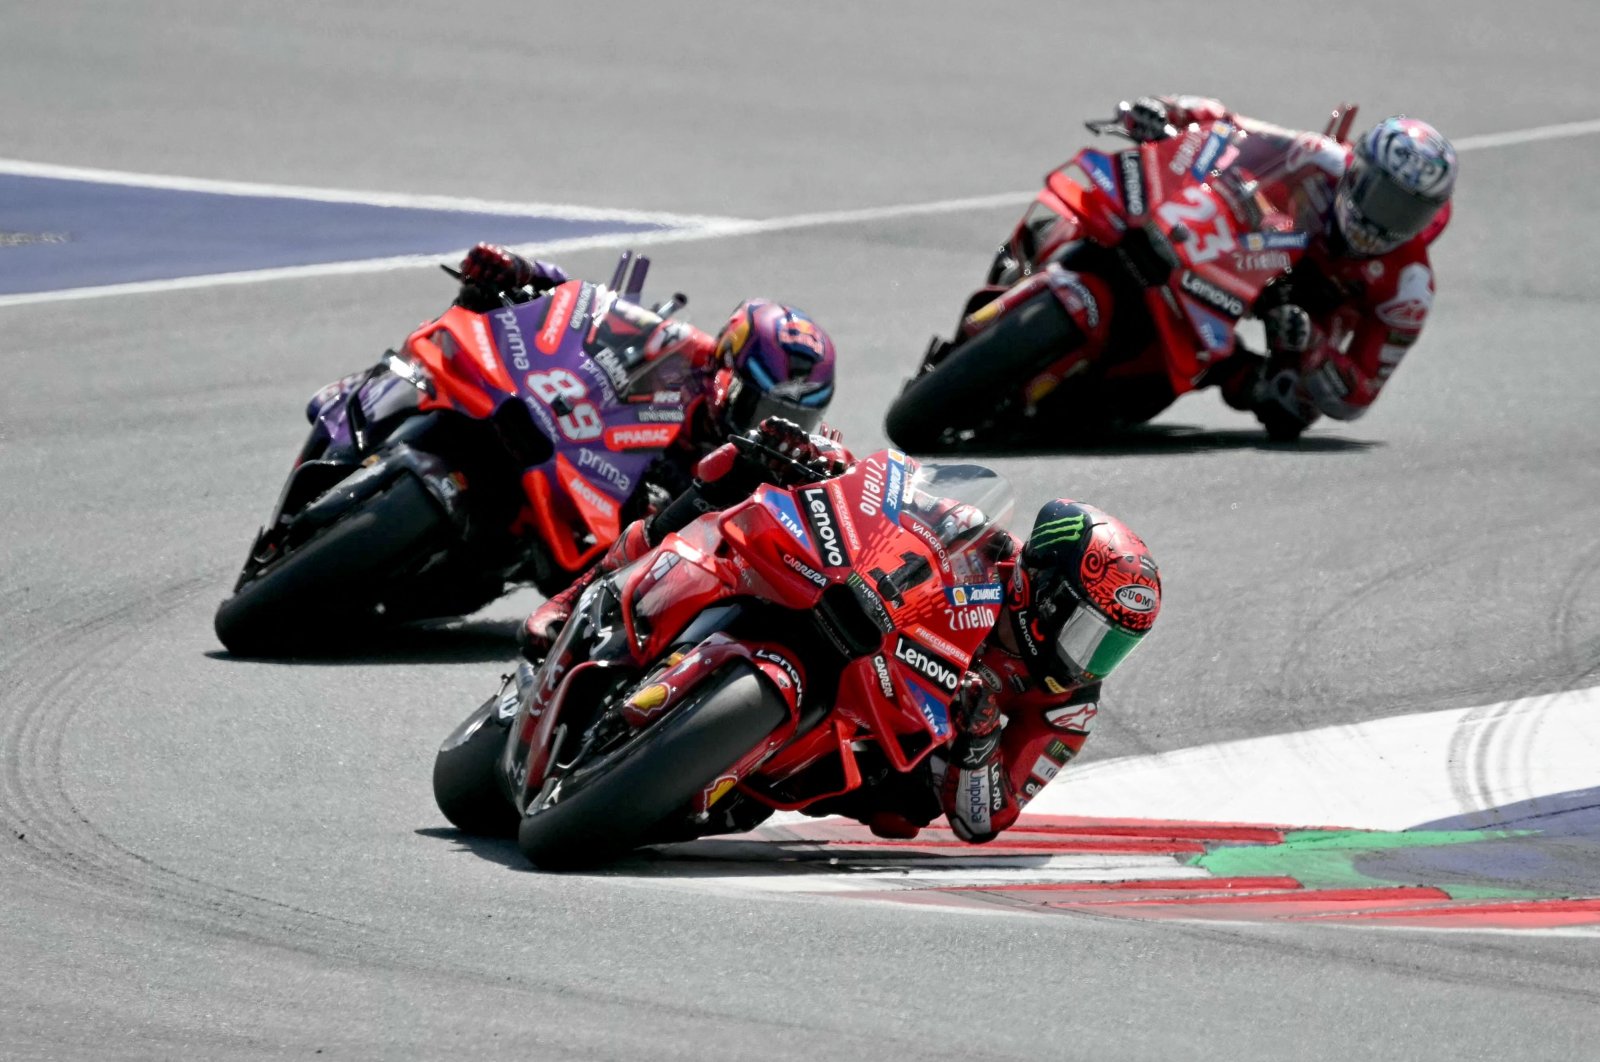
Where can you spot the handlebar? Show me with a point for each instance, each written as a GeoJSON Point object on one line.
{"type": "Point", "coordinates": [746, 445]}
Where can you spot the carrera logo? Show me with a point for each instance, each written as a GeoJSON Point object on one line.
{"type": "Point", "coordinates": [1136, 598]}
{"type": "Point", "coordinates": [1213, 296]}
{"type": "Point", "coordinates": [880, 667]}
{"type": "Point", "coordinates": [927, 663]}
{"type": "Point", "coordinates": [641, 437]}
{"type": "Point", "coordinates": [825, 525]}
{"type": "Point", "coordinates": [1133, 183]}
{"type": "Point", "coordinates": [805, 569]}
{"type": "Point", "coordinates": [555, 319]}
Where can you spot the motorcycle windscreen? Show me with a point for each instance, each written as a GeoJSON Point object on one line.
{"type": "Point", "coordinates": [963, 504]}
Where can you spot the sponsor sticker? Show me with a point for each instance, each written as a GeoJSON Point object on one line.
{"type": "Point", "coordinates": [781, 506]}
{"type": "Point", "coordinates": [1132, 169]}
{"type": "Point", "coordinates": [824, 521]}
{"type": "Point", "coordinates": [1077, 717]}
{"type": "Point", "coordinates": [640, 436]}
{"type": "Point", "coordinates": [805, 569]}
{"type": "Point", "coordinates": [1211, 295]}
{"type": "Point", "coordinates": [512, 341]}
{"type": "Point", "coordinates": [1137, 598]}
{"type": "Point", "coordinates": [927, 663]}
{"type": "Point", "coordinates": [562, 299]}
{"type": "Point", "coordinates": [975, 594]}
{"type": "Point", "coordinates": [880, 667]}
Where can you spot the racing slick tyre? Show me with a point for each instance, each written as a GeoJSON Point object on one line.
{"type": "Point", "coordinates": [466, 775]}
{"type": "Point", "coordinates": [604, 808]}
{"type": "Point", "coordinates": [334, 585]}
{"type": "Point", "coordinates": [966, 390]}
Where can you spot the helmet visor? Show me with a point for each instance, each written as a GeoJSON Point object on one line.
{"type": "Point", "coordinates": [1380, 201]}
{"type": "Point", "coordinates": [751, 406]}
{"type": "Point", "coordinates": [1091, 646]}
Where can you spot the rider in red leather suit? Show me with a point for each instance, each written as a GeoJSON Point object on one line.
{"type": "Point", "coordinates": [1082, 591]}
{"type": "Point", "coordinates": [1341, 321]}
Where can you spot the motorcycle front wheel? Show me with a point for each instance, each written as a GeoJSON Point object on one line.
{"type": "Point", "coordinates": [466, 775]}
{"type": "Point", "coordinates": [335, 585]}
{"type": "Point", "coordinates": [967, 392]}
{"type": "Point", "coordinates": [601, 809]}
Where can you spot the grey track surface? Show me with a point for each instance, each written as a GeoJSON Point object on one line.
{"type": "Point", "coordinates": [214, 859]}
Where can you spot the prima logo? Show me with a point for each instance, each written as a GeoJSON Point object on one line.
{"type": "Point", "coordinates": [588, 459]}
{"type": "Point", "coordinates": [514, 343]}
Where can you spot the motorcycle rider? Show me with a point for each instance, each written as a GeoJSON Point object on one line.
{"type": "Point", "coordinates": [1082, 591]}
{"type": "Point", "coordinates": [1339, 324]}
{"type": "Point", "coordinates": [768, 359]}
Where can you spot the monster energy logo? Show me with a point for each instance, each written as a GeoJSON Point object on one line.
{"type": "Point", "coordinates": [1066, 529]}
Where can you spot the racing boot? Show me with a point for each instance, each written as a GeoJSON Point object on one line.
{"type": "Point", "coordinates": [539, 632]}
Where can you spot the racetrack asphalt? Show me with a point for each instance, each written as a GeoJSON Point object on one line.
{"type": "Point", "coordinates": [204, 857]}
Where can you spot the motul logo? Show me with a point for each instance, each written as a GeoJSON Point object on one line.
{"type": "Point", "coordinates": [926, 663]}
{"type": "Point", "coordinates": [581, 489]}
{"type": "Point", "coordinates": [555, 321]}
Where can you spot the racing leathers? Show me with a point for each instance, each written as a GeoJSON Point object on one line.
{"type": "Point", "coordinates": [1012, 736]}
{"type": "Point", "coordinates": [1339, 323]}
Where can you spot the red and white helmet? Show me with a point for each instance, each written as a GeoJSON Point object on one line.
{"type": "Point", "coordinates": [1401, 174]}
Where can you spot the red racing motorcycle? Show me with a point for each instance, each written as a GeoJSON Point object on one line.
{"type": "Point", "coordinates": [1184, 234]}
{"type": "Point", "coordinates": [802, 645]}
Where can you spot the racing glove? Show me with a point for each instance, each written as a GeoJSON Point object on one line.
{"type": "Point", "coordinates": [1288, 329]}
{"type": "Point", "coordinates": [488, 267]}
{"type": "Point", "coordinates": [1145, 119]}
{"type": "Point", "coordinates": [977, 798]}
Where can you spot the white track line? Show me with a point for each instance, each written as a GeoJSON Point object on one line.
{"type": "Point", "coordinates": [452, 204]}
{"type": "Point", "coordinates": [694, 227]}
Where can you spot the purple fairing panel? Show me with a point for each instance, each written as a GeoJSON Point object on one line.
{"type": "Point", "coordinates": [382, 396]}
{"type": "Point", "coordinates": [579, 394]}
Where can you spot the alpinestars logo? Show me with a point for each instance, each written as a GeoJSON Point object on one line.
{"type": "Point", "coordinates": [1213, 296]}
{"type": "Point", "coordinates": [825, 525]}
{"type": "Point", "coordinates": [927, 663]}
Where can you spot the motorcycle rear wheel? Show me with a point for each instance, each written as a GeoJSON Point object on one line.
{"type": "Point", "coordinates": [963, 392]}
{"type": "Point", "coordinates": [602, 809]}
{"type": "Point", "coordinates": [334, 585]}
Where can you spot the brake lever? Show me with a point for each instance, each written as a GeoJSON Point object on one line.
{"type": "Point", "coordinates": [745, 444]}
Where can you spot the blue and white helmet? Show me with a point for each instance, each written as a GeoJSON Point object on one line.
{"type": "Point", "coordinates": [1401, 174]}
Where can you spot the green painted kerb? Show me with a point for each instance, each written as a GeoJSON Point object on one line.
{"type": "Point", "coordinates": [1324, 859]}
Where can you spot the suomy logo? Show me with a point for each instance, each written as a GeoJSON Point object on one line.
{"type": "Point", "coordinates": [1136, 598]}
